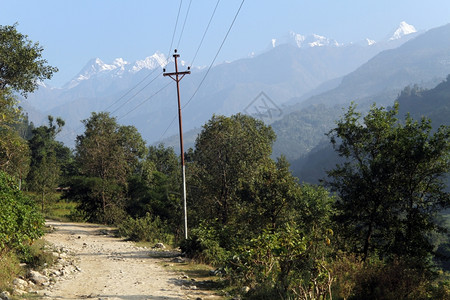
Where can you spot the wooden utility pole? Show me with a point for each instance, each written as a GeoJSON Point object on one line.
{"type": "Point", "coordinates": [177, 76]}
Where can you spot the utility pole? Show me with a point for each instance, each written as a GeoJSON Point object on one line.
{"type": "Point", "coordinates": [177, 76]}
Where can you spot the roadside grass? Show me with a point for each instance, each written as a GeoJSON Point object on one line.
{"type": "Point", "coordinates": [200, 274]}
{"type": "Point", "coordinates": [55, 208]}
{"type": "Point", "coordinates": [9, 269]}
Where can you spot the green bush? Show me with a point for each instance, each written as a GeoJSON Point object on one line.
{"type": "Point", "coordinates": [20, 221]}
{"type": "Point", "coordinates": [146, 229]}
{"type": "Point", "coordinates": [204, 246]}
{"type": "Point", "coordinates": [378, 279]}
{"type": "Point", "coordinates": [37, 256]}
{"type": "Point", "coordinates": [286, 263]}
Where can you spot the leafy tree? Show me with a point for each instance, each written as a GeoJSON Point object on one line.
{"type": "Point", "coordinates": [108, 154]}
{"type": "Point", "coordinates": [21, 67]}
{"type": "Point", "coordinates": [21, 62]}
{"type": "Point", "coordinates": [154, 190]}
{"type": "Point", "coordinates": [227, 152]}
{"type": "Point", "coordinates": [45, 168]}
{"type": "Point", "coordinates": [391, 185]}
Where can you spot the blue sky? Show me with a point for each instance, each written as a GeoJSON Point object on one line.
{"type": "Point", "coordinates": [75, 31]}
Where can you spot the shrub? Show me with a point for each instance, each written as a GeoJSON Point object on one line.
{"type": "Point", "coordinates": [286, 263]}
{"type": "Point", "coordinates": [20, 222]}
{"type": "Point", "coordinates": [146, 229]}
{"type": "Point", "coordinates": [37, 256]}
{"type": "Point", "coordinates": [378, 279]}
{"type": "Point", "coordinates": [203, 245]}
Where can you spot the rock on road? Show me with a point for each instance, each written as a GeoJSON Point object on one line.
{"type": "Point", "coordinates": [113, 269]}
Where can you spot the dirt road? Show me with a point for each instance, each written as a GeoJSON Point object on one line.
{"type": "Point", "coordinates": [114, 269]}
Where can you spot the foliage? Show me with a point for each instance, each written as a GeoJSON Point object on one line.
{"type": "Point", "coordinates": [379, 279]}
{"type": "Point", "coordinates": [283, 264]}
{"type": "Point", "coordinates": [155, 188]}
{"type": "Point", "coordinates": [203, 244]}
{"type": "Point", "coordinates": [227, 152]}
{"type": "Point", "coordinates": [21, 62]}
{"type": "Point", "coordinates": [20, 224]}
{"type": "Point", "coordinates": [46, 159]}
{"type": "Point", "coordinates": [98, 200]}
{"type": "Point", "coordinates": [37, 256]}
{"type": "Point", "coordinates": [14, 154]}
{"type": "Point", "coordinates": [107, 155]}
{"type": "Point", "coordinates": [147, 229]}
{"type": "Point", "coordinates": [391, 185]}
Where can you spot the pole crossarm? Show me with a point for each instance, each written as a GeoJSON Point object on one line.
{"type": "Point", "coordinates": [177, 73]}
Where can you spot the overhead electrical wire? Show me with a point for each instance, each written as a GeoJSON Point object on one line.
{"type": "Point", "coordinates": [217, 54]}
{"type": "Point", "coordinates": [212, 62]}
{"type": "Point", "coordinates": [175, 28]}
{"type": "Point", "coordinates": [139, 83]}
{"type": "Point", "coordinates": [154, 94]}
{"type": "Point", "coordinates": [195, 56]}
{"type": "Point", "coordinates": [184, 23]}
{"type": "Point", "coordinates": [128, 101]}
{"type": "Point", "coordinates": [204, 33]}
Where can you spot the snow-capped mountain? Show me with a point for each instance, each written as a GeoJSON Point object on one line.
{"type": "Point", "coordinates": [315, 40]}
{"type": "Point", "coordinates": [96, 67]}
{"type": "Point", "coordinates": [403, 29]}
{"type": "Point", "coordinates": [303, 41]}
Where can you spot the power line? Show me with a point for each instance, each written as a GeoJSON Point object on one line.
{"type": "Point", "coordinates": [137, 93]}
{"type": "Point", "coordinates": [212, 63]}
{"type": "Point", "coordinates": [204, 34]}
{"type": "Point", "coordinates": [217, 54]}
{"type": "Point", "coordinates": [184, 23]}
{"type": "Point", "coordinates": [129, 91]}
{"type": "Point", "coordinates": [154, 94]}
{"type": "Point", "coordinates": [175, 28]}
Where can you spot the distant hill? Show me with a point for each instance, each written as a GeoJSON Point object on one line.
{"type": "Point", "coordinates": [433, 103]}
{"type": "Point", "coordinates": [423, 60]}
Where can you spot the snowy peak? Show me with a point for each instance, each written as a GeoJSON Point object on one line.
{"type": "Point", "coordinates": [315, 40]}
{"type": "Point", "coordinates": [403, 29]}
{"type": "Point", "coordinates": [119, 67]}
{"type": "Point", "coordinates": [303, 41]}
{"type": "Point", "coordinates": [151, 62]}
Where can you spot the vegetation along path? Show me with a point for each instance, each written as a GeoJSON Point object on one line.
{"type": "Point", "coordinates": [112, 268]}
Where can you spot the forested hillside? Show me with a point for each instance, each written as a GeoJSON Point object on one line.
{"type": "Point", "coordinates": [430, 103]}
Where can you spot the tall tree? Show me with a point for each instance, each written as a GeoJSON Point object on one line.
{"type": "Point", "coordinates": [391, 185]}
{"type": "Point", "coordinates": [227, 152]}
{"type": "Point", "coordinates": [45, 167]}
{"type": "Point", "coordinates": [108, 154]}
{"type": "Point", "coordinates": [21, 68]}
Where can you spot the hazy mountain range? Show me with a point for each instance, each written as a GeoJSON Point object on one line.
{"type": "Point", "coordinates": [289, 71]}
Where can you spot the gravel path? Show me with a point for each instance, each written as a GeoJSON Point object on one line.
{"type": "Point", "coordinates": [114, 269]}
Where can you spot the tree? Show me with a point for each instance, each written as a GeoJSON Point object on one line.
{"type": "Point", "coordinates": [45, 167]}
{"type": "Point", "coordinates": [227, 152]}
{"type": "Point", "coordinates": [21, 62]}
{"type": "Point", "coordinates": [391, 185]}
{"type": "Point", "coordinates": [108, 154]}
{"type": "Point", "coordinates": [21, 68]}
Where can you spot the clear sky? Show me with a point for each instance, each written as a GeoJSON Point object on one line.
{"type": "Point", "coordinates": [75, 31]}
